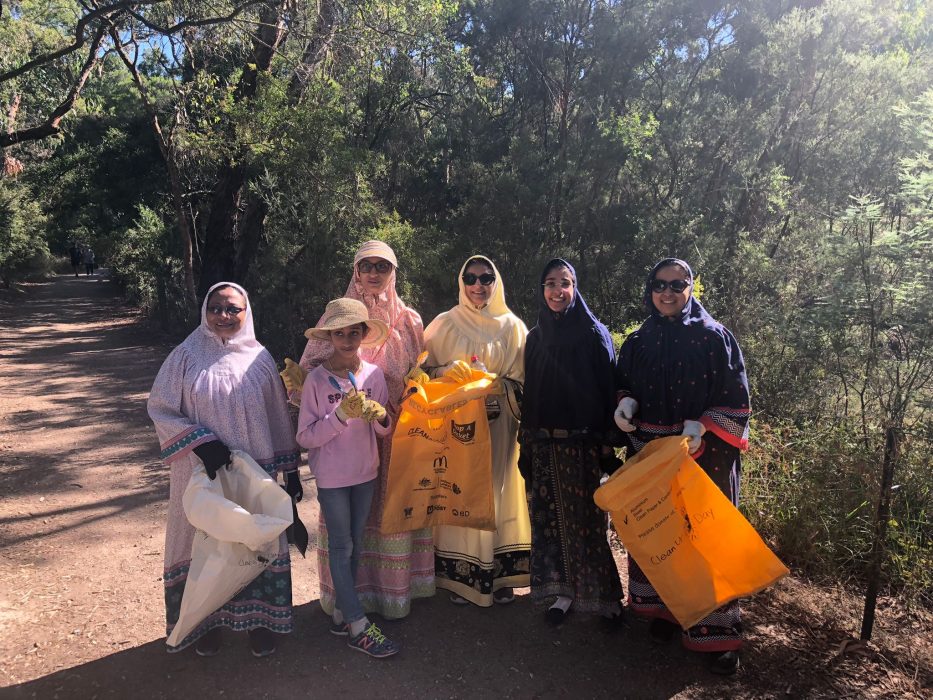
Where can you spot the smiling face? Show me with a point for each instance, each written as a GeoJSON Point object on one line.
{"type": "Point", "coordinates": [346, 342]}
{"type": "Point", "coordinates": [558, 289]}
{"type": "Point", "coordinates": [669, 302]}
{"type": "Point", "coordinates": [371, 279]}
{"type": "Point", "coordinates": [221, 317]}
{"type": "Point", "coordinates": [478, 293]}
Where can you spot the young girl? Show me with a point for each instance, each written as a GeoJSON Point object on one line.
{"type": "Point", "coordinates": [338, 423]}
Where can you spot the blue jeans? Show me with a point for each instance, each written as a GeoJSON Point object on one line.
{"type": "Point", "coordinates": [346, 511]}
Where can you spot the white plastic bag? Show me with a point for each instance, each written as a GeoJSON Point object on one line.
{"type": "Point", "coordinates": [238, 519]}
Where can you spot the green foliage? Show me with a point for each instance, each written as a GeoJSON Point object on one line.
{"type": "Point", "coordinates": [22, 251]}
{"type": "Point", "coordinates": [783, 149]}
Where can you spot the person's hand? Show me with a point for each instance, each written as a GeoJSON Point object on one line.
{"type": "Point", "coordinates": [293, 375]}
{"type": "Point", "coordinates": [350, 407]}
{"type": "Point", "coordinates": [694, 430]}
{"type": "Point", "coordinates": [459, 371]}
{"type": "Point", "coordinates": [623, 415]}
{"type": "Point", "coordinates": [293, 485]}
{"type": "Point", "coordinates": [373, 410]}
{"type": "Point", "coordinates": [214, 455]}
{"type": "Point", "coordinates": [417, 375]}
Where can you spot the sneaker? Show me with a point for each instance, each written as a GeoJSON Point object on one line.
{"type": "Point", "coordinates": [504, 596]}
{"type": "Point", "coordinates": [458, 600]}
{"type": "Point", "coordinates": [209, 643]}
{"type": "Point", "coordinates": [662, 631]}
{"type": "Point", "coordinates": [724, 663]}
{"type": "Point", "coordinates": [340, 629]}
{"type": "Point", "coordinates": [373, 642]}
{"type": "Point", "coordinates": [261, 642]}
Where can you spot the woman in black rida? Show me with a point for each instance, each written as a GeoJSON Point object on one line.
{"type": "Point", "coordinates": [682, 373]}
{"type": "Point", "coordinates": [565, 432]}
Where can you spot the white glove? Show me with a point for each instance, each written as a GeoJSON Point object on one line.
{"type": "Point", "coordinates": [624, 412]}
{"type": "Point", "coordinates": [694, 430]}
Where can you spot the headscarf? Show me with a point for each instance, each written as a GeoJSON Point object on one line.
{"type": "Point", "coordinates": [491, 318]}
{"type": "Point", "coordinates": [406, 332]}
{"type": "Point", "coordinates": [493, 332]}
{"type": "Point", "coordinates": [693, 311]}
{"type": "Point", "coordinates": [568, 366]}
{"type": "Point", "coordinates": [245, 338]}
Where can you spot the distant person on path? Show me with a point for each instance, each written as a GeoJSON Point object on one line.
{"type": "Point", "coordinates": [682, 373]}
{"type": "Point", "coordinates": [339, 421]}
{"type": "Point", "coordinates": [478, 566]}
{"type": "Point", "coordinates": [89, 261]}
{"type": "Point", "coordinates": [393, 569]}
{"type": "Point", "coordinates": [220, 391]}
{"type": "Point", "coordinates": [565, 439]}
{"type": "Point", "coordinates": [76, 256]}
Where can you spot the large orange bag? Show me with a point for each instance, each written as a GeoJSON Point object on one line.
{"type": "Point", "coordinates": [441, 467]}
{"type": "Point", "coordinates": [697, 550]}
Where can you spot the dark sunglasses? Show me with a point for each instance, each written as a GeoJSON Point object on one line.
{"type": "Point", "coordinates": [382, 267]}
{"type": "Point", "coordinates": [675, 285]}
{"type": "Point", "coordinates": [485, 279]}
{"type": "Point", "coordinates": [231, 310]}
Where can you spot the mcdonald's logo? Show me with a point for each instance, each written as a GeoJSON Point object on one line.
{"type": "Point", "coordinates": [440, 464]}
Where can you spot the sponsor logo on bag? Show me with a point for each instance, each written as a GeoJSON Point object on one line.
{"type": "Point", "coordinates": [435, 509]}
{"type": "Point", "coordinates": [408, 511]}
{"type": "Point", "coordinates": [440, 464]}
{"type": "Point", "coordinates": [463, 432]}
{"type": "Point", "coordinates": [460, 513]}
{"type": "Point", "coordinates": [425, 482]}
{"type": "Point", "coordinates": [456, 489]}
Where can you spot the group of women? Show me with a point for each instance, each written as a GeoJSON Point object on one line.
{"type": "Point", "coordinates": [680, 373]}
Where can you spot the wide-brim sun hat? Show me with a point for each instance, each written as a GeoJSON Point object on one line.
{"type": "Point", "coordinates": [344, 312]}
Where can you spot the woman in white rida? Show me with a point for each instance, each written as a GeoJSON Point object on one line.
{"type": "Point", "coordinates": [220, 391]}
{"type": "Point", "coordinates": [477, 566]}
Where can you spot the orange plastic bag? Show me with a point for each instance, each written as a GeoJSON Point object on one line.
{"type": "Point", "coordinates": [441, 467]}
{"type": "Point", "coordinates": [697, 550]}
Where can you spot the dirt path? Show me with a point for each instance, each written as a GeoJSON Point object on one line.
{"type": "Point", "coordinates": [82, 507]}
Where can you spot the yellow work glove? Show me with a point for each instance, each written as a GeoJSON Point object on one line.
{"type": "Point", "coordinates": [373, 410]}
{"type": "Point", "coordinates": [350, 407]}
{"type": "Point", "coordinates": [459, 371]}
{"type": "Point", "coordinates": [417, 375]}
{"type": "Point", "coordinates": [293, 376]}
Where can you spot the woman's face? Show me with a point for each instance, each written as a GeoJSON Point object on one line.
{"type": "Point", "coordinates": [477, 292]}
{"type": "Point", "coordinates": [346, 341]}
{"type": "Point", "coordinates": [667, 301]}
{"type": "Point", "coordinates": [226, 309]}
{"type": "Point", "coordinates": [374, 274]}
{"type": "Point", "coordinates": [558, 289]}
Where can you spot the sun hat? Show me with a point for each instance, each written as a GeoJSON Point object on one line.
{"type": "Point", "coordinates": [344, 312]}
{"type": "Point", "coordinates": [375, 249]}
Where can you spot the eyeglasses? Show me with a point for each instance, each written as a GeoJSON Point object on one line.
{"type": "Point", "coordinates": [563, 284]}
{"type": "Point", "coordinates": [485, 279]}
{"type": "Point", "coordinates": [658, 286]}
{"type": "Point", "coordinates": [231, 310]}
{"type": "Point", "coordinates": [382, 267]}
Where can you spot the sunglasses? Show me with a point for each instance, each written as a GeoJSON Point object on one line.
{"type": "Point", "coordinates": [231, 310]}
{"type": "Point", "coordinates": [677, 286]}
{"type": "Point", "coordinates": [485, 279]}
{"type": "Point", "coordinates": [382, 267]}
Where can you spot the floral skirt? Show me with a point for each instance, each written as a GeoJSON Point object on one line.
{"type": "Point", "coordinates": [570, 554]}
